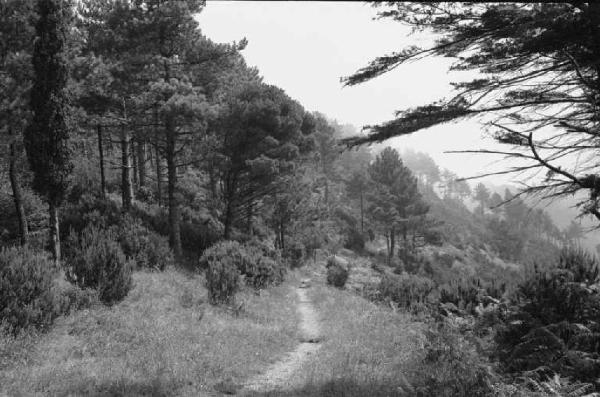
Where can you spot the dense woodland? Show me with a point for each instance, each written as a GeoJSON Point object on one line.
{"type": "Point", "coordinates": [132, 142]}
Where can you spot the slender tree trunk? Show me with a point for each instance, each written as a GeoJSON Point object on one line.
{"type": "Point", "coordinates": [134, 164]}
{"type": "Point", "coordinates": [158, 176]}
{"type": "Point", "coordinates": [101, 154]}
{"type": "Point", "coordinates": [212, 180]}
{"type": "Point", "coordinates": [362, 214]}
{"type": "Point", "coordinates": [141, 158]}
{"type": "Point", "coordinates": [388, 246]}
{"type": "Point", "coordinates": [17, 195]}
{"type": "Point", "coordinates": [126, 185]}
{"type": "Point", "coordinates": [227, 220]}
{"type": "Point", "coordinates": [327, 193]}
{"type": "Point", "coordinates": [174, 225]}
{"type": "Point", "coordinates": [249, 219]}
{"type": "Point", "coordinates": [392, 243]}
{"type": "Point", "coordinates": [54, 234]}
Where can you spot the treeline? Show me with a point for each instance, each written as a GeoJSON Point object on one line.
{"type": "Point", "coordinates": [504, 223]}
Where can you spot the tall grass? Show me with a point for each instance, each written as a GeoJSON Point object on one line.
{"type": "Point", "coordinates": [161, 340]}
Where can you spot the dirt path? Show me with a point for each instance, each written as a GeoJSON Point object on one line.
{"type": "Point", "coordinates": [279, 375]}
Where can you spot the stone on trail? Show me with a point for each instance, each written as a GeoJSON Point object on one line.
{"type": "Point", "coordinates": [305, 283]}
{"type": "Point", "coordinates": [227, 386]}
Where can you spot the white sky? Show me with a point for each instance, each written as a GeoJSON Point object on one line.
{"type": "Point", "coordinates": [305, 47]}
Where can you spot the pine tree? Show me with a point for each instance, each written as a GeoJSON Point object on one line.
{"type": "Point", "coordinates": [394, 198]}
{"type": "Point", "coordinates": [16, 33]}
{"type": "Point", "coordinates": [47, 136]}
{"type": "Point", "coordinates": [482, 195]}
{"type": "Point", "coordinates": [537, 66]}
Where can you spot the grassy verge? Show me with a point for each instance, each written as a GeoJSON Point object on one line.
{"type": "Point", "coordinates": [161, 340]}
{"type": "Point", "coordinates": [365, 351]}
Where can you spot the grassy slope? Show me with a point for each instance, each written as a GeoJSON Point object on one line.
{"type": "Point", "coordinates": [154, 343]}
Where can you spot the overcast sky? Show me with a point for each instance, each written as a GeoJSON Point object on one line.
{"type": "Point", "coordinates": [305, 47]}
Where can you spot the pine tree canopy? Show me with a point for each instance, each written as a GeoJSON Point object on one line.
{"type": "Point", "coordinates": [537, 83]}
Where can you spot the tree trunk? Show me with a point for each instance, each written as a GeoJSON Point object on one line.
{"type": "Point", "coordinates": [227, 220]}
{"type": "Point", "coordinates": [158, 176]}
{"type": "Point", "coordinates": [392, 243]}
{"type": "Point", "coordinates": [362, 215]}
{"type": "Point", "coordinates": [249, 219]}
{"type": "Point", "coordinates": [327, 193]}
{"type": "Point", "coordinates": [54, 234]}
{"type": "Point", "coordinates": [17, 195]}
{"type": "Point", "coordinates": [126, 186]}
{"type": "Point", "coordinates": [101, 154]}
{"type": "Point", "coordinates": [141, 158]}
{"type": "Point", "coordinates": [388, 246]}
{"type": "Point", "coordinates": [212, 180]}
{"type": "Point", "coordinates": [134, 164]}
{"type": "Point", "coordinates": [174, 226]}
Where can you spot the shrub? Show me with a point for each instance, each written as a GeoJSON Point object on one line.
{"type": "Point", "coordinates": [467, 293]}
{"type": "Point", "coordinates": [97, 261]}
{"type": "Point", "coordinates": [222, 272]}
{"type": "Point", "coordinates": [406, 290]}
{"type": "Point", "coordinates": [146, 194]}
{"type": "Point", "coordinates": [148, 249]}
{"type": "Point", "coordinates": [27, 298]}
{"type": "Point", "coordinates": [263, 272]}
{"type": "Point", "coordinates": [261, 265]}
{"type": "Point", "coordinates": [354, 240]}
{"type": "Point", "coordinates": [552, 321]}
{"type": "Point", "coordinates": [199, 230]}
{"type": "Point", "coordinates": [294, 254]}
{"type": "Point", "coordinates": [337, 272]}
{"type": "Point", "coordinates": [450, 366]}
{"type": "Point", "coordinates": [89, 210]}
{"type": "Point", "coordinates": [74, 298]}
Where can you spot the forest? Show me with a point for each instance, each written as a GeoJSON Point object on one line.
{"type": "Point", "coordinates": [160, 203]}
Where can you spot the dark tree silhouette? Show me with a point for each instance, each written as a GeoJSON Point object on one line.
{"type": "Point", "coordinates": [539, 68]}
{"type": "Point", "coordinates": [47, 136]}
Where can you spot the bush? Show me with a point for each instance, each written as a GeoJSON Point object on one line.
{"type": "Point", "coordinates": [148, 249]}
{"type": "Point", "coordinates": [354, 240]}
{"type": "Point", "coordinates": [74, 298]}
{"type": "Point", "coordinates": [261, 265]}
{"type": "Point", "coordinates": [198, 230]}
{"type": "Point", "coordinates": [89, 210]}
{"type": "Point", "coordinates": [257, 262]}
{"type": "Point", "coordinates": [406, 290]}
{"type": "Point", "coordinates": [450, 366]}
{"type": "Point", "coordinates": [262, 272]}
{"type": "Point", "coordinates": [552, 323]}
{"type": "Point", "coordinates": [337, 272]}
{"type": "Point", "coordinates": [97, 261]}
{"type": "Point", "coordinates": [27, 298]}
{"type": "Point", "coordinates": [467, 293]}
{"type": "Point", "coordinates": [294, 254]}
{"type": "Point", "coordinates": [222, 272]}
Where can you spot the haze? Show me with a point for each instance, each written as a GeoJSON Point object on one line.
{"type": "Point", "coordinates": [305, 47]}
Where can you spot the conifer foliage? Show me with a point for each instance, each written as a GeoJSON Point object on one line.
{"type": "Point", "coordinates": [46, 137]}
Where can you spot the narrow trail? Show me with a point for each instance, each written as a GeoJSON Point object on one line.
{"type": "Point", "coordinates": [279, 375]}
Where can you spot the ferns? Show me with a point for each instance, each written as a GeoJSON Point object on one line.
{"type": "Point", "coordinates": [553, 324]}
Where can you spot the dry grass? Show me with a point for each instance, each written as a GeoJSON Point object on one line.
{"type": "Point", "coordinates": [161, 340]}
{"type": "Point", "coordinates": [365, 349]}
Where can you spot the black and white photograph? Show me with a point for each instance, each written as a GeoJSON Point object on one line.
{"type": "Point", "coordinates": [299, 198]}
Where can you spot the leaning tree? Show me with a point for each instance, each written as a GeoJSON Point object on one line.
{"type": "Point", "coordinates": [47, 135]}
{"type": "Point", "coordinates": [537, 88]}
